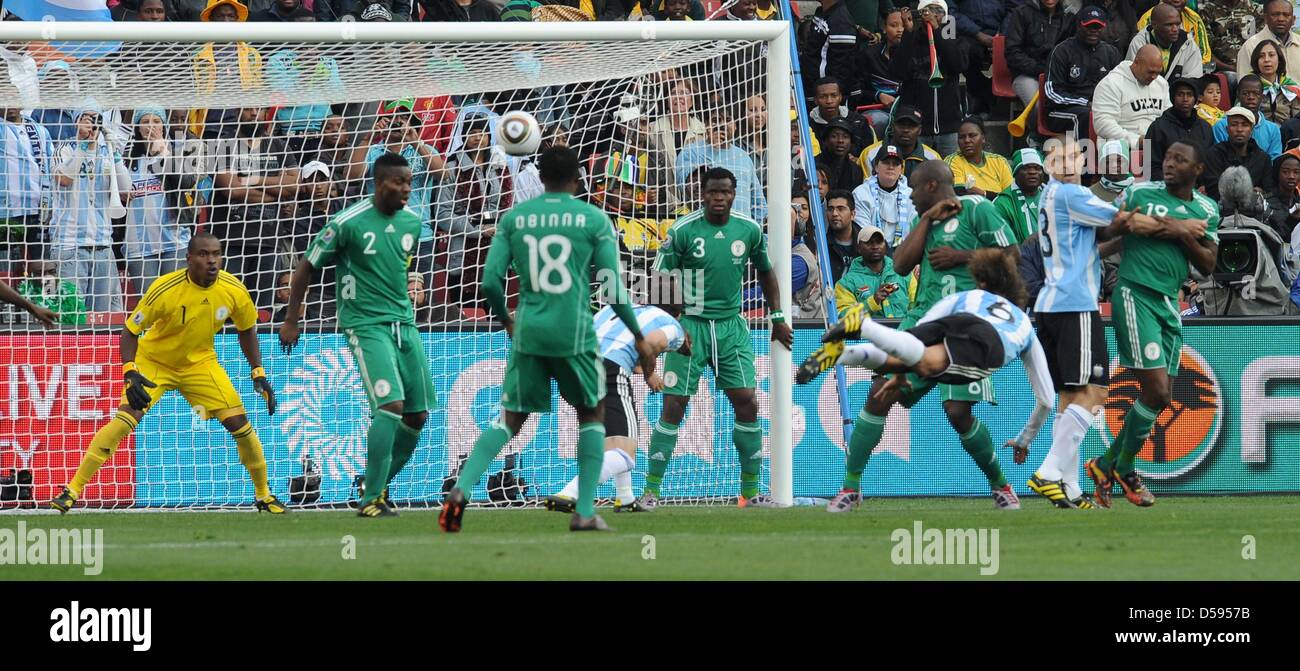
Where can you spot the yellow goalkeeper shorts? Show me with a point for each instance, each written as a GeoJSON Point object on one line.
{"type": "Point", "coordinates": [205, 386]}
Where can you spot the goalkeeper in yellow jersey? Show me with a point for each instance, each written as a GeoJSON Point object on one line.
{"type": "Point", "coordinates": [178, 317]}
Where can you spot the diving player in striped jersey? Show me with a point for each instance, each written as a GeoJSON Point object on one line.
{"type": "Point", "coordinates": [961, 340]}
{"type": "Point", "coordinates": [618, 349]}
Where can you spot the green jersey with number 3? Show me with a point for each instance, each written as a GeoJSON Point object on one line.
{"type": "Point", "coordinates": [712, 259]}
{"type": "Point", "coordinates": [977, 225]}
{"type": "Point", "coordinates": [553, 241]}
{"type": "Point", "coordinates": [373, 252]}
{"type": "Point", "coordinates": [1162, 264]}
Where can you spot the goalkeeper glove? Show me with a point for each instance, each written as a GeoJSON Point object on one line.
{"type": "Point", "coordinates": [263, 387]}
{"type": "Point", "coordinates": [136, 396]}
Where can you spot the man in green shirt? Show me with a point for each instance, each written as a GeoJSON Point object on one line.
{"type": "Point", "coordinates": [553, 241]}
{"type": "Point", "coordinates": [871, 279]}
{"type": "Point", "coordinates": [710, 249]}
{"type": "Point", "coordinates": [941, 242]}
{"type": "Point", "coordinates": [1148, 326]}
{"type": "Point", "coordinates": [1018, 205]}
{"type": "Point", "coordinates": [44, 288]}
{"type": "Point", "coordinates": [372, 243]}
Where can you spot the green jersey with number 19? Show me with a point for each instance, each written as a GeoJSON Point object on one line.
{"type": "Point", "coordinates": [1162, 264]}
{"type": "Point", "coordinates": [373, 252]}
{"type": "Point", "coordinates": [553, 241]}
{"type": "Point", "coordinates": [712, 259]}
{"type": "Point", "coordinates": [977, 225]}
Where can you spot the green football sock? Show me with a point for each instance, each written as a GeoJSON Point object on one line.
{"type": "Point", "coordinates": [979, 445]}
{"type": "Point", "coordinates": [486, 448]}
{"type": "Point", "coordinates": [662, 442]}
{"type": "Point", "coordinates": [407, 438]}
{"type": "Point", "coordinates": [379, 451]}
{"type": "Point", "coordinates": [868, 429]}
{"type": "Point", "coordinates": [1137, 428]}
{"type": "Point", "coordinates": [1108, 458]}
{"type": "Point", "coordinates": [591, 454]}
{"type": "Point", "coordinates": [748, 437]}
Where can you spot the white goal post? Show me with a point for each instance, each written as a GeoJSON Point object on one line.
{"type": "Point", "coordinates": [513, 56]}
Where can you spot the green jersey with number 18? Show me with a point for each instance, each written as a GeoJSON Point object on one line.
{"type": "Point", "coordinates": [977, 225]}
{"type": "Point", "coordinates": [553, 241]}
{"type": "Point", "coordinates": [373, 252]}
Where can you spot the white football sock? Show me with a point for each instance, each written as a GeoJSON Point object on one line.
{"type": "Point", "coordinates": [1062, 462]}
{"type": "Point", "coordinates": [1071, 467]}
{"type": "Point", "coordinates": [865, 356]}
{"type": "Point", "coordinates": [907, 347]}
{"type": "Point", "coordinates": [623, 480]}
{"type": "Point", "coordinates": [1051, 468]}
{"type": "Point", "coordinates": [615, 463]}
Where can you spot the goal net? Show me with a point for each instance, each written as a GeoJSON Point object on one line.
{"type": "Point", "coordinates": [116, 153]}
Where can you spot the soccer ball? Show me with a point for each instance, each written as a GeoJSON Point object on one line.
{"type": "Point", "coordinates": [519, 134]}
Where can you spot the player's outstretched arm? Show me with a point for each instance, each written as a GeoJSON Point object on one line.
{"type": "Point", "coordinates": [253, 352]}
{"type": "Point", "coordinates": [297, 291]}
{"type": "Point", "coordinates": [494, 281]}
{"type": "Point", "coordinates": [1035, 361]}
{"type": "Point", "coordinates": [47, 317]}
{"type": "Point", "coordinates": [781, 331]}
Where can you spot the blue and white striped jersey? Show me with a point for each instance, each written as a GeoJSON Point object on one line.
{"type": "Point", "coordinates": [616, 341]}
{"type": "Point", "coordinates": [151, 226]}
{"type": "Point", "coordinates": [25, 155]}
{"type": "Point", "coordinates": [80, 209]}
{"type": "Point", "coordinates": [1012, 324]}
{"type": "Point", "coordinates": [1068, 218]}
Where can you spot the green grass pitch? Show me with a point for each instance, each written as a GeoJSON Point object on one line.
{"type": "Point", "coordinates": [1181, 538]}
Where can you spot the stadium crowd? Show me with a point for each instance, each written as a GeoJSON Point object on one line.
{"type": "Point", "coordinates": [87, 219]}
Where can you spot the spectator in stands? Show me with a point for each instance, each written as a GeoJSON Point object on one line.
{"type": "Point", "coordinates": [436, 117]}
{"type": "Point", "coordinates": [302, 70]}
{"type": "Point", "coordinates": [155, 241]}
{"type": "Point", "coordinates": [419, 296]}
{"type": "Point", "coordinates": [1207, 106]}
{"type": "Point", "coordinates": [280, 11]}
{"type": "Point", "coordinates": [1115, 172]}
{"type": "Point", "coordinates": [140, 10]}
{"type": "Point", "coordinates": [1130, 97]}
{"type": "Point", "coordinates": [219, 67]}
{"type": "Point", "coordinates": [1181, 57]}
{"type": "Point", "coordinates": [318, 200]}
{"type": "Point", "coordinates": [721, 150]}
{"type": "Point", "coordinates": [885, 199]}
{"type": "Point", "coordinates": [676, 10]}
{"type": "Point", "coordinates": [870, 17]}
{"type": "Point", "coordinates": [678, 128]}
{"type": "Point", "coordinates": [1279, 19]}
{"type": "Point", "coordinates": [1031, 268]}
{"type": "Point", "coordinates": [87, 178]}
{"type": "Point", "coordinates": [1075, 69]}
{"type": "Point", "coordinates": [829, 95]}
{"type": "Point", "coordinates": [43, 287]}
{"type": "Point", "coordinates": [476, 189]}
{"type": "Point", "coordinates": [871, 279]}
{"type": "Point", "coordinates": [1121, 21]}
{"type": "Point", "coordinates": [458, 10]}
{"type": "Point", "coordinates": [753, 134]}
{"type": "Point", "coordinates": [904, 134]}
{"type": "Point", "coordinates": [1281, 92]}
{"type": "Point", "coordinates": [60, 123]}
{"type": "Point", "coordinates": [741, 10]}
{"type": "Point", "coordinates": [1239, 149]}
{"type": "Point", "coordinates": [977, 22]}
{"type": "Point", "coordinates": [395, 131]}
{"type": "Point", "coordinates": [257, 177]}
{"type": "Point", "coordinates": [805, 273]}
{"type": "Point", "coordinates": [823, 184]}
{"type": "Point", "coordinates": [841, 232]}
{"type": "Point", "coordinates": [619, 191]}
{"type": "Point", "coordinates": [1268, 135]}
{"type": "Point", "coordinates": [829, 48]}
{"type": "Point", "coordinates": [1018, 204]}
{"type": "Point", "coordinates": [1230, 23]}
{"type": "Point", "coordinates": [27, 156]}
{"type": "Point", "coordinates": [281, 310]}
{"type": "Point", "coordinates": [937, 96]}
{"type": "Point", "coordinates": [695, 11]}
{"type": "Point", "coordinates": [879, 86]}
{"type": "Point", "coordinates": [1192, 23]}
{"type": "Point", "coordinates": [337, 10]}
{"type": "Point", "coordinates": [841, 165]}
{"type": "Point", "coordinates": [1033, 30]}
{"type": "Point", "coordinates": [1283, 211]}
{"type": "Point", "coordinates": [334, 149]}
{"type": "Point", "coordinates": [974, 170]}
{"type": "Point", "coordinates": [1179, 123]}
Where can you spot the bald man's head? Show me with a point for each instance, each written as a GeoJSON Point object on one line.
{"type": "Point", "coordinates": [1166, 23]}
{"type": "Point", "coordinates": [931, 182]}
{"type": "Point", "coordinates": [1148, 64]}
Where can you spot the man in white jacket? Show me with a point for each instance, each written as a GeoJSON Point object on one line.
{"type": "Point", "coordinates": [1129, 98]}
{"type": "Point", "coordinates": [1178, 50]}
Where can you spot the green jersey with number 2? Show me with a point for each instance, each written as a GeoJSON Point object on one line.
{"type": "Point", "coordinates": [553, 241]}
{"type": "Point", "coordinates": [373, 252]}
{"type": "Point", "coordinates": [977, 225]}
